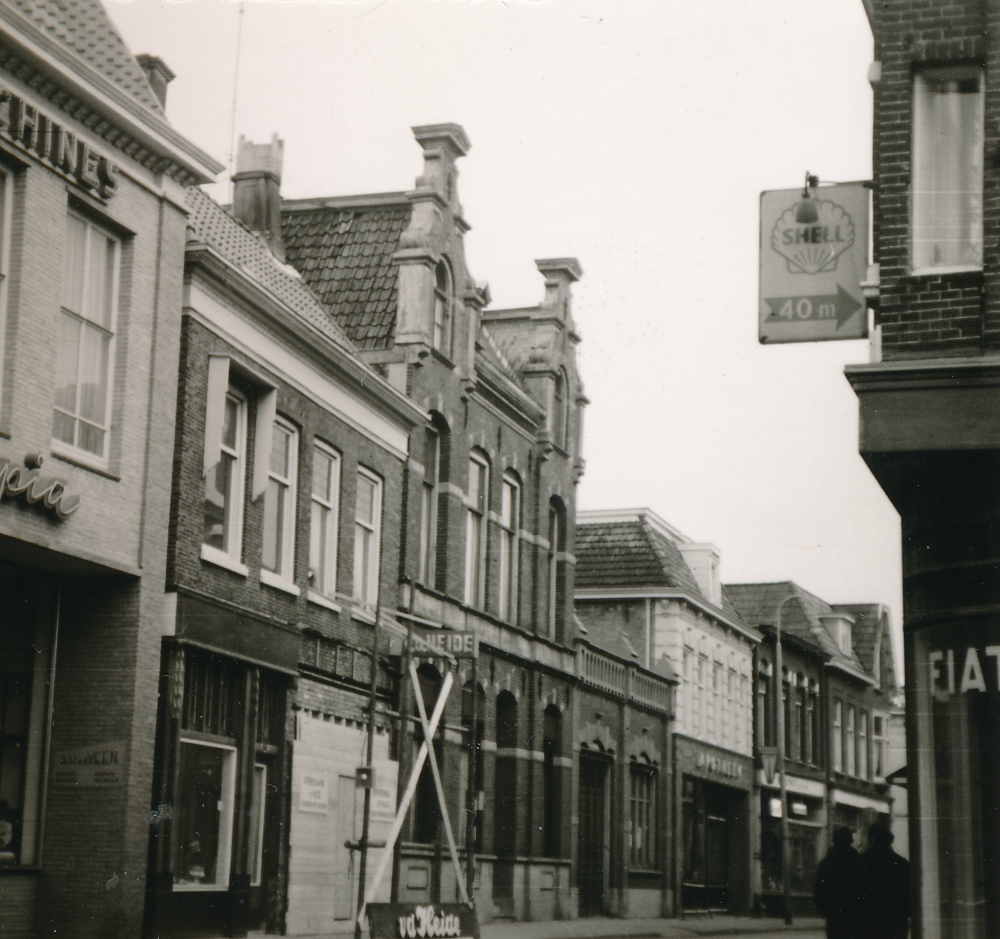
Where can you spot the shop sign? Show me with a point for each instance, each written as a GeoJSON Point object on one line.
{"type": "Point", "coordinates": [964, 669]}
{"type": "Point", "coordinates": [719, 766]}
{"type": "Point", "coordinates": [800, 808]}
{"type": "Point", "coordinates": [314, 793]}
{"type": "Point", "coordinates": [434, 642]}
{"type": "Point", "coordinates": [25, 479]}
{"type": "Point", "coordinates": [419, 921]}
{"type": "Point", "coordinates": [99, 767]}
{"type": "Point", "coordinates": [34, 131]}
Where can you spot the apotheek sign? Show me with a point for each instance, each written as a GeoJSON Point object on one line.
{"type": "Point", "coordinates": [25, 479]}
{"type": "Point", "coordinates": [718, 766]}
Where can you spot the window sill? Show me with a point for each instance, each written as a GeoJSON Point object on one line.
{"type": "Point", "coordinates": [313, 597]}
{"type": "Point", "coordinates": [363, 614]}
{"type": "Point", "coordinates": [278, 582]}
{"type": "Point", "coordinates": [221, 559]}
{"type": "Point", "coordinates": [84, 460]}
{"type": "Point", "coordinates": [925, 272]}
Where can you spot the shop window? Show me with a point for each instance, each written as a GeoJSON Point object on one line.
{"type": "Point", "coordinates": [444, 302]}
{"type": "Point", "coordinates": [323, 525]}
{"type": "Point", "coordinates": [837, 736]}
{"type": "Point", "coordinates": [211, 686]}
{"type": "Point", "coordinates": [204, 815]}
{"type": "Point", "coordinates": [505, 787]}
{"type": "Point", "coordinates": [258, 798]}
{"type": "Point", "coordinates": [947, 189]}
{"type": "Point", "coordinates": [278, 560]}
{"type": "Point", "coordinates": [6, 219]}
{"type": "Point", "coordinates": [477, 503]}
{"type": "Point", "coordinates": [643, 815]}
{"type": "Point", "coordinates": [426, 810]}
{"type": "Point", "coordinates": [25, 676]}
{"type": "Point", "coordinates": [428, 506]}
{"type": "Point", "coordinates": [510, 516]}
{"type": "Point", "coordinates": [85, 357]}
{"type": "Point", "coordinates": [367, 528]}
{"type": "Point", "coordinates": [551, 750]}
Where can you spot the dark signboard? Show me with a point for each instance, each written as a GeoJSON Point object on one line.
{"type": "Point", "coordinates": [419, 921]}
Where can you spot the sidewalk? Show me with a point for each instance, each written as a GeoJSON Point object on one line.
{"type": "Point", "coordinates": [599, 927]}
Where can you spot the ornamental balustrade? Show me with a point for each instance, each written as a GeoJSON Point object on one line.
{"type": "Point", "coordinates": [622, 681]}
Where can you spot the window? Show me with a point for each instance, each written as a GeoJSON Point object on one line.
{"type": "Point", "coordinates": [279, 503]}
{"type": "Point", "coordinates": [475, 531]}
{"type": "Point", "coordinates": [813, 702]}
{"type": "Point", "coordinates": [838, 740]}
{"type": "Point", "coordinates": [6, 212]}
{"type": "Point", "coordinates": [786, 704]}
{"type": "Point", "coordinates": [443, 310]}
{"type": "Point", "coordinates": [947, 206]}
{"type": "Point", "coordinates": [428, 506]}
{"type": "Point", "coordinates": [863, 744]}
{"type": "Point", "coordinates": [880, 745]}
{"type": "Point", "coordinates": [506, 789]}
{"type": "Point", "coordinates": [643, 815]}
{"type": "Point", "coordinates": [849, 742]}
{"type": "Point", "coordinates": [802, 725]}
{"type": "Point", "coordinates": [426, 813]}
{"type": "Point", "coordinates": [766, 710]}
{"type": "Point", "coordinates": [86, 340]}
{"type": "Point", "coordinates": [323, 522]}
{"type": "Point", "coordinates": [204, 815]}
{"type": "Point", "coordinates": [257, 806]}
{"type": "Point", "coordinates": [559, 410]}
{"type": "Point", "coordinates": [223, 517]}
{"type": "Point", "coordinates": [551, 750]}
{"type": "Point", "coordinates": [510, 514]}
{"type": "Point", "coordinates": [367, 522]}
{"type": "Point", "coordinates": [557, 534]}
{"type": "Point", "coordinates": [476, 742]}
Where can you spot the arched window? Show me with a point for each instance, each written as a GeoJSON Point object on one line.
{"type": "Point", "coordinates": [505, 787]}
{"type": "Point", "coordinates": [426, 811]}
{"type": "Point", "coordinates": [551, 775]}
{"type": "Point", "coordinates": [510, 521]}
{"type": "Point", "coordinates": [560, 400]}
{"type": "Point", "coordinates": [443, 309]}
{"type": "Point", "coordinates": [435, 451]}
{"type": "Point", "coordinates": [557, 546]}
{"type": "Point", "coordinates": [476, 741]}
{"type": "Point", "coordinates": [477, 503]}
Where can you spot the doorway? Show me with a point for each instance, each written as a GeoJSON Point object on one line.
{"type": "Point", "coordinates": [590, 876]}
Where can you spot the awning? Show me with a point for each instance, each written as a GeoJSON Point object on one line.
{"type": "Point", "coordinates": [860, 802]}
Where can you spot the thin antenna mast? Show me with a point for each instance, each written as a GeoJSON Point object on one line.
{"type": "Point", "coordinates": [232, 124]}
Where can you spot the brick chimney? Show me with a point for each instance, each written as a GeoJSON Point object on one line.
{"type": "Point", "coordinates": [158, 74]}
{"type": "Point", "coordinates": [257, 189]}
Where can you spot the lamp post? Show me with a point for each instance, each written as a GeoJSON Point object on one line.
{"type": "Point", "coordinates": [781, 763]}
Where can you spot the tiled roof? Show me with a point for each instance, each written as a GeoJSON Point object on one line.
{"type": "Point", "coordinates": [243, 248]}
{"type": "Point", "coordinates": [618, 554]}
{"type": "Point", "coordinates": [758, 604]}
{"type": "Point", "coordinates": [867, 626]}
{"type": "Point", "coordinates": [344, 252]}
{"type": "Point", "coordinates": [84, 28]}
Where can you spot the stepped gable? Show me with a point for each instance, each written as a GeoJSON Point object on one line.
{"type": "Point", "coordinates": [84, 28]}
{"type": "Point", "coordinates": [343, 248]}
{"type": "Point", "coordinates": [629, 554]}
{"type": "Point", "coordinates": [248, 251]}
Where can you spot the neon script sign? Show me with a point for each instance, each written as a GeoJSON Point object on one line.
{"type": "Point", "coordinates": [25, 479]}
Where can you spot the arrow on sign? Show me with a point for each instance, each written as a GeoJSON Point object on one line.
{"type": "Point", "coordinates": [840, 306]}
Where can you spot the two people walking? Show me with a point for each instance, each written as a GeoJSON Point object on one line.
{"type": "Point", "coordinates": [864, 896]}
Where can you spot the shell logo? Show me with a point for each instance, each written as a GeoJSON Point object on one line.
{"type": "Point", "coordinates": [812, 235]}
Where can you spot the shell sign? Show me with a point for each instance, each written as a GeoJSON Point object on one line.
{"type": "Point", "coordinates": [813, 259]}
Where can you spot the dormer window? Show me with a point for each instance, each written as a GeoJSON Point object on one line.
{"type": "Point", "coordinates": [844, 638]}
{"type": "Point", "coordinates": [443, 312]}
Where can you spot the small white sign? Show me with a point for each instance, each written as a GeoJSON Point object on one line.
{"type": "Point", "coordinates": [813, 259]}
{"type": "Point", "coordinates": [98, 767]}
{"type": "Point", "coordinates": [314, 793]}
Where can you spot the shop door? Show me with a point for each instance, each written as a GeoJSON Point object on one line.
{"type": "Point", "coordinates": [590, 860]}
{"type": "Point", "coordinates": [716, 863]}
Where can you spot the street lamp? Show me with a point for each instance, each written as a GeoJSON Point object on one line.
{"type": "Point", "coordinates": [781, 763]}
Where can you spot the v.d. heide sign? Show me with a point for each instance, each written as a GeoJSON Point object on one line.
{"type": "Point", "coordinates": [813, 259]}
{"type": "Point", "coordinates": [419, 921]}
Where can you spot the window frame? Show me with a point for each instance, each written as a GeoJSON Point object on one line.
{"type": "Point", "coordinates": [231, 556]}
{"type": "Point", "coordinates": [926, 160]}
{"type": "Point", "coordinates": [642, 815]}
{"type": "Point", "coordinates": [443, 325]}
{"type": "Point", "coordinates": [284, 576]}
{"type": "Point", "coordinates": [880, 746]}
{"type": "Point", "coordinates": [427, 567]}
{"type": "Point", "coordinates": [477, 513]}
{"type": "Point", "coordinates": [82, 317]}
{"type": "Point", "coordinates": [366, 604]}
{"type": "Point", "coordinates": [838, 736]}
{"type": "Point", "coordinates": [556, 533]}
{"type": "Point", "coordinates": [6, 223]}
{"type": "Point", "coordinates": [510, 548]}
{"type": "Point", "coordinates": [331, 504]}
{"type": "Point", "coordinates": [850, 740]}
{"type": "Point", "coordinates": [861, 761]}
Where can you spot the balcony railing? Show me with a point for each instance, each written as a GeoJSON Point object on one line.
{"type": "Point", "coordinates": [623, 681]}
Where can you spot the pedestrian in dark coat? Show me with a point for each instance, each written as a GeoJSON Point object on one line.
{"type": "Point", "coordinates": [839, 887]}
{"type": "Point", "coordinates": [887, 887]}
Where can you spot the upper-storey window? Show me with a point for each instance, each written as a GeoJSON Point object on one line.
{"type": "Point", "coordinates": [947, 209]}
{"type": "Point", "coordinates": [475, 530]}
{"type": "Point", "coordinates": [279, 503]}
{"type": "Point", "coordinates": [223, 516]}
{"type": "Point", "coordinates": [86, 340]}
{"type": "Point", "coordinates": [367, 525]}
{"type": "Point", "coordinates": [428, 505]}
{"type": "Point", "coordinates": [510, 514]}
{"type": "Point", "coordinates": [323, 523]}
{"type": "Point", "coordinates": [560, 410]}
{"type": "Point", "coordinates": [443, 309]}
{"type": "Point", "coordinates": [6, 205]}
{"type": "Point", "coordinates": [557, 546]}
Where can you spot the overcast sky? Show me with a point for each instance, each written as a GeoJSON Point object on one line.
{"type": "Point", "coordinates": [635, 135]}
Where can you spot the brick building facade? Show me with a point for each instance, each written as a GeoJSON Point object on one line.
{"type": "Point", "coordinates": [92, 184]}
{"type": "Point", "coordinates": [929, 430]}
